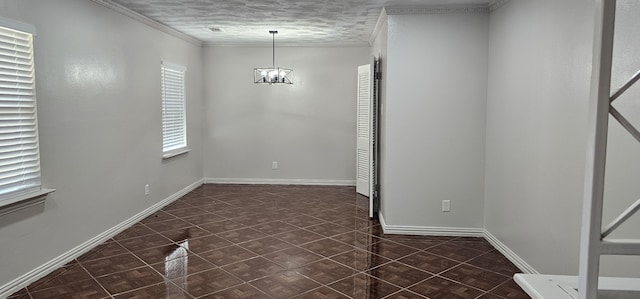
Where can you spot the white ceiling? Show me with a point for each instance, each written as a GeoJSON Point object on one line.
{"type": "Point", "coordinates": [298, 21]}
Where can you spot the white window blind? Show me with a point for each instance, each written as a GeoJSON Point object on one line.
{"type": "Point", "coordinates": [19, 153]}
{"type": "Point", "coordinates": [174, 123]}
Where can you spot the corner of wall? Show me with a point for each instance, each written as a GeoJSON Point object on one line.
{"type": "Point", "coordinates": [509, 254]}
{"type": "Point", "coordinates": [382, 19]}
{"type": "Point", "coordinates": [428, 230]}
{"type": "Point", "coordinates": [495, 4]}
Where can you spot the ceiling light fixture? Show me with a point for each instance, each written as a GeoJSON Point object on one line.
{"type": "Point", "coordinates": [273, 75]}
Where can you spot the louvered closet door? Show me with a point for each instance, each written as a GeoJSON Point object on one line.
{"type": "Point", "coordinates": [363, 153]}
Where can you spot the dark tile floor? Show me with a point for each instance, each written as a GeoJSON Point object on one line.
{"type": "Point", "coordinates": [249, 241]}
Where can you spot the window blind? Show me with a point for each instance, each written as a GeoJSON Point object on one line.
{"type": "Point", "coordinates": [174, 131]}
{"type": "Point", "coordinates": [19, 153]}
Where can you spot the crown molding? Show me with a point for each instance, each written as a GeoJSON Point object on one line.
{"type": "Point", "coordinates": [495, 4]}
{"type": "Point", "coordinates": [147, 21]}
{"type": "Point", "coordinates": [435, 10]}
{"type": "Point", "coordinates": [286, 44]}
{"type": "Point", "coordinates": [381, 20]}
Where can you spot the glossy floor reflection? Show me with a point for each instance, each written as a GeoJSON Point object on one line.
{"type": "Point", "coordinates": [259, 241]}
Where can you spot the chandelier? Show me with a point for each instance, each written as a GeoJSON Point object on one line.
{"type": "Point", "coordinates": [273, 75]}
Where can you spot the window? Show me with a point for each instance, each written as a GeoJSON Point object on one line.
{"type": "Point", "coordinates": [19, 152]}
{"type": "Point", "coordinates": [174, 120]}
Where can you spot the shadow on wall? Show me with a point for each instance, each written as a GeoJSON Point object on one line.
{"type": "Point", "coordinates": [12, 214]}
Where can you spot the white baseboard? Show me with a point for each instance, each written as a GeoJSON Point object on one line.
{"type": "Point", "coordinates": [459, 232]}
{"type": "Point", "coordinates": [280, 182]}
{"type": "Point", "coordinates": [48, 267]}
{"type": "Point", "coordinates": [509, 254]}
{"type": "Point", "coordinates": [429, 230]}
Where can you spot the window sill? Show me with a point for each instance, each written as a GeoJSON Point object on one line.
{"type": "Point", "coordinates": [172, 154]}
{"type": "Point", "coordinates": [23, 201]}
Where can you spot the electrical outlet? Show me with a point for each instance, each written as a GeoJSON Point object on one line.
{"type": "Point", "coordinates": [146, 189]}
{"type": "Point", "coordinates": [446, 206]}
{"type": "Point", "coordinates": [274, 165]}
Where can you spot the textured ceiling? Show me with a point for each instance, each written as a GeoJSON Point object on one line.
{"type": "Point", "coordinates": [298, 21]}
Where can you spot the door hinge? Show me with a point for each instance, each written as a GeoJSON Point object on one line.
{"type": "Point", "coordinates": [378, 76]}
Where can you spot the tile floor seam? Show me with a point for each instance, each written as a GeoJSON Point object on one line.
{"type": "Point", "coordinates": [51, 279]}
{"type": "Point", "coordinates": [57, 286]}
{"type": "Point", "coordinates": [321, 283]}
{"type": "Point", "coordinates": [489, 293]}
{"type": "Point", "coordinates": [191, 215]}
{"type": "Point", "coordinates": [460, 283]}
{"type": "Point", "coordinates": [403, 290]}
{"type": "Point", "coordinates": [224, 247]}
{"type": "Point", "coordinates": [330, 256]}
{"type": "Point", "coordinates": [254, 279]}
{"type": "Point", "coordinates": [121, 271]}
{"type": "Point", "coordinates": [28, 292]}
{"type": "Point", "coordinates": [498, 286]}
{"type": "Point", "coordinates": [137, 223]}
{"type": "Point", "coordinates": [94, 279]}
{"type": "Point", "coordinates": [164, 275]}
{"type": "Point", "coordinates": [196, 225]}
{"type": "Point", "coordinates": [229, 273]}
{"type": "Point", "coordinates": [273, 261]}
{"type": "Point", "coordinates": [136, 255]}
{"type": "Point", "coordinates": [338, 291]}
{"type": "Point", "coordinates": [226, 230]}
{"type": "Point", "coordinates": [231, 287]}
{"type": "Point", "coordinates": [448, 257]}
{"type": "Point", "coordinates": [309, 291]}
{"type": "Point", "coordinates": [291, 296]}
{"type": "Point", "coordinates": [414, 267]}
{"type": "Point", "coordinates": [108, 257]}
{"type": "Point", "coordinates": [194, 296]}
{"type": "Point", "coordinates": [412, 285]}
{"type": "Point", "coordinates": [354, 247]}
{"type": "Point", "coordinates": [485, 269]}
{"type": "Point", "coordinates": [154, 230]}
{"type": "Point", "coordinates": [292, 245]}
{"type": "Point", "coordinates": [364, 273]}
{"type": "Point", "coordinates": [140, 288]}
{"type": "Point", "coordinates": [368, 269]}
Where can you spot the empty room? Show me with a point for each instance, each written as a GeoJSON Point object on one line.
{"type": "Point", "coordinates": [319, 149]}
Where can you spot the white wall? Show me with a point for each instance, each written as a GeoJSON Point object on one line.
{"type": "Point", "coordinates": [308, 127]}
{"type": "Point", "coordinates": [435, 120]}
{"type": "Point", "coordinates": [99, 112]}
{"type": "Point", "coordinates": [538, 98]}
